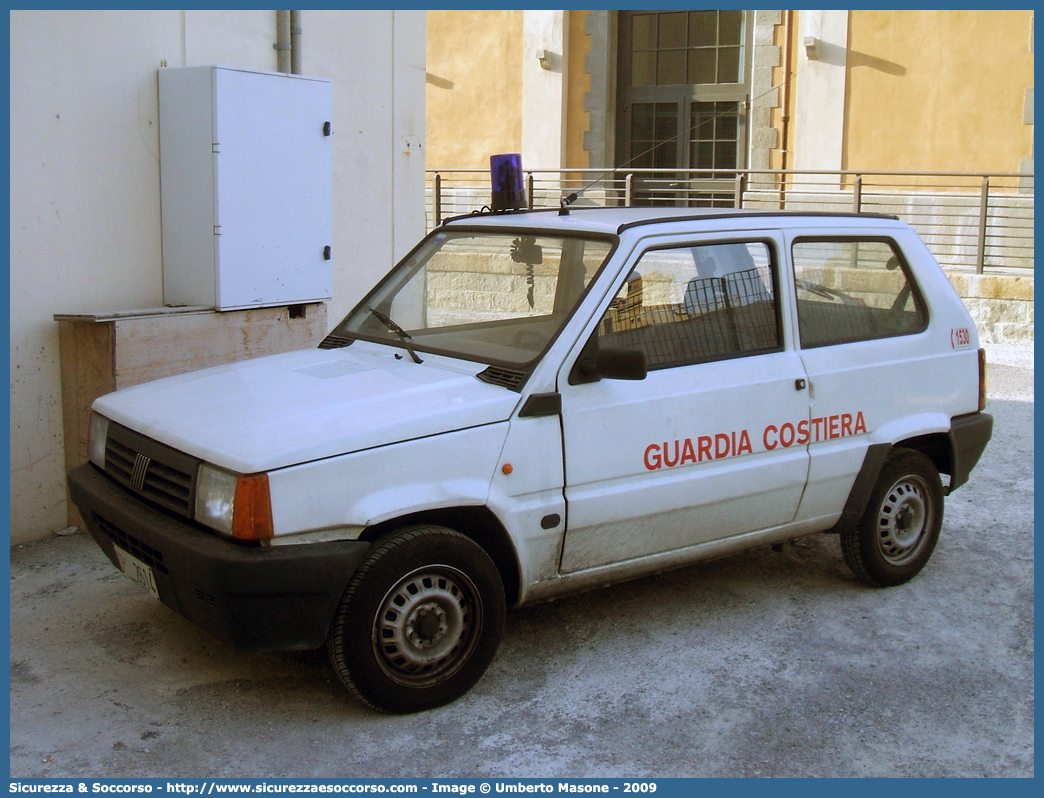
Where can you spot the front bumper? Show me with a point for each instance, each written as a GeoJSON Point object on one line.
{"type": "Point", "coordinates": [250, 597]}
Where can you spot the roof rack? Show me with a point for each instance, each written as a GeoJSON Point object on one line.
{"type": "Point", "coordinates": [741, 214]}
{"type": "Point", "coordinates": [722, 213]}
{"type": "Point", "coordinates": [487, 211]}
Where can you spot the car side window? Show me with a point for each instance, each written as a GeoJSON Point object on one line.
{"type": "Point", "coordinates": [854, 290]}
{"type": "Point", "coordinates": [696, 303]}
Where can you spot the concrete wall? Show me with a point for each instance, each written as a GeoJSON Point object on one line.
{"type": "Point", "coordinates": [85, 201]}
{"type": "Point", "coordinates": [820, 91]}
{"type": "Point", "coordinates": [544, 87]}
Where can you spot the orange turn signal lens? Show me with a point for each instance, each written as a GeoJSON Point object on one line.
{"type": "Point", "coordinates": [252, 513]}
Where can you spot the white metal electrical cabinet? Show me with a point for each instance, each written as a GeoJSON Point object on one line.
{"type": "Point", "coordinates": [246, 187]}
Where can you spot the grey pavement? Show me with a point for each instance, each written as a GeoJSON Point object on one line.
{"type": "Point", "coordinates": [769, 663]}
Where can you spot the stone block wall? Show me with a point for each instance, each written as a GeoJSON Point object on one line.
{"type": "Point", "coordinates": [1001, 305]}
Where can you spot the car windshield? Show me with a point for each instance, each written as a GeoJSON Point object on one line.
{"type": "Point", "coordinates": [494, 297]}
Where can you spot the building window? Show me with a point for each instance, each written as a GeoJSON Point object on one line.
{"type": "Point", "coordinates": [684, 90]}
{"type": "Point", "coordinates": [690, 47]}
{"type": "Point", "coordinates": [652, 124]}
{"type": "Point", "coordinates": [714, 136]}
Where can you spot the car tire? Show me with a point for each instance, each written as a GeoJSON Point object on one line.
{"type": "Point", "coordinates": [419, 622]}
{"type": "Point", "coordinates": [900, 527]}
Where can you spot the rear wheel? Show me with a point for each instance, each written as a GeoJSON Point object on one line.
{"type": "Point", "coordinates": [419, 622]}
{"type": "Point", "coordinates": [898, 532]}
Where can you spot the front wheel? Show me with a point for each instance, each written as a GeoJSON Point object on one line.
{"type": "Point", "coordinates": [898, 532]}
{"type": "Point", "coordinates": [419, 622]}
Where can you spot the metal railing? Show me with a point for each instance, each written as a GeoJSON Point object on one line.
{"type": "Point", "coordinates": [973, 222]}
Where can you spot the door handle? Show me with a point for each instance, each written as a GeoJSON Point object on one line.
{"type": "Point", "coordinates": [800, 384]}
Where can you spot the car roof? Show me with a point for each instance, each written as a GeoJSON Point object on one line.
{"type": "Point", "coordinates": [615, 220]}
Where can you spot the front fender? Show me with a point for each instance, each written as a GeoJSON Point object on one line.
{"type": "Point", "coordinates": [365, 488]}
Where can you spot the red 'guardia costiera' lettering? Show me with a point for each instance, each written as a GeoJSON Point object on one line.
{"type": "Point", "coordinates": [823, 428]}
{"type": "Point", "coordinates": [706, 447]}
{"type": "Point", "coordinates": [670, 454]}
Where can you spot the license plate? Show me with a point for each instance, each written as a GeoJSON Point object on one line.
{"type": "Point", "coordinates": [137, 571]}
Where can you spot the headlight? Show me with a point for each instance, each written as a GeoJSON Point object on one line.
{"type": "Point", "coordinates": [215, 498]}
{"type": "Point", "coordinates": [97, 433]}
{"type": "Point", "coordinates": [236, 505]}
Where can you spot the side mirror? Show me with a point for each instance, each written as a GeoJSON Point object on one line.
{"type": "Point", "coordinates": [610, 364]}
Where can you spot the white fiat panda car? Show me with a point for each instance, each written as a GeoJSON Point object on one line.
{"type": "Point", "coordinates": [536, 403]}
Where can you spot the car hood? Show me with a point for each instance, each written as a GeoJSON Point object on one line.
{"type": "Point", "coordinates": [281, 410]}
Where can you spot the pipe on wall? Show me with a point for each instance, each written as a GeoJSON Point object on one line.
{"type": "Point", "coordinates": [296, 53]}
{"type": "Point", "coordinates": [788, 45]}
{"type": "Point", "coordinates": [283, 44]}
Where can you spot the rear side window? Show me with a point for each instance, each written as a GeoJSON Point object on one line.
{"type": "Point", "coordinates": [695, 303]}
{"type": "Point", "coordinates": [851, 290]}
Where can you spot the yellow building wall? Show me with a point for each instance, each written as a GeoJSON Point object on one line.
{"type": "Point", "coordinates": [578, 121]}
{"type": "Point", "coordinates": [938, 90]}
{"type": "Point", "coordinates": [782, 37]}
{"type": "Point", "coordinates": [934, 90]}
{"type": "Point", "coordinates": [474, 92]}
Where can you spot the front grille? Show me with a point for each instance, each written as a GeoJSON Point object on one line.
{"type": "Point", "coordinates": [161, 483]}
{"type": "Point", "coordinates": [152, 470]}
{"type": "Point", "coordinates": [130, 544]}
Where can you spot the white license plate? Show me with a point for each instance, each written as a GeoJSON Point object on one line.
{"type": "Point", "coordinates": [137, 571]}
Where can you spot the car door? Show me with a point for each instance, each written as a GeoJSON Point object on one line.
{"type": "Point", "coordinates": [874, 372]}
{"type": "Point", "coordinates": [707, 446]}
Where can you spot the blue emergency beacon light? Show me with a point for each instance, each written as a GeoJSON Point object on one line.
{"type": "Point", "coordinates": [505, 172]}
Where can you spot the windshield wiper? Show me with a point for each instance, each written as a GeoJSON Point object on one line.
{"type": "Point", "coordinates": [395, 328]}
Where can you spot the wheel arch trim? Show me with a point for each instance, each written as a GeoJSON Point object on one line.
{"type": "Point", "coordinates": [859, 495]}
{"type": "Point", "coordinates": [954, 452]}
{"type": "Point", "coordinates": [476, 522]}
